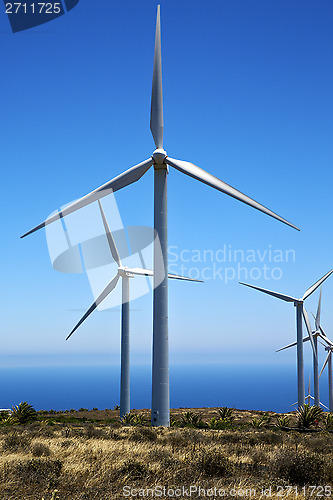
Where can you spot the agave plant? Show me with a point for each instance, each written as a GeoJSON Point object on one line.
{"type": "Point", "coordinates": [329, 421]}
{"type": "Point", "coordinates": [260, 422]}
{"type": "Point", "coordinates": [128, 419]}
{"type": "Point", "coordinates": [309, 416]}
{"type": "Point", "coordinates": [139, 420]}
{"type": "Point", "coordinates": [22, 414]}
{"type": "Point", "coordinates": [174, 422]}
{"type": "Point", "coordinates": [132, 419]}
{"type": "Point", "coordinates": [283, 421]}
{"type": "Point", "coordinates": [226, 414]}
{"type": "Point", "coordinates": [191, 419]}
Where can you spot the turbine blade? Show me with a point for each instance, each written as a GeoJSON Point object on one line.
{"type": "Point", "coordinates": [316, 285]}
{"type": "Point", "coordinates": [305, 339]}
{"type": "Point", "coordinates": [156, 111]}
{"type": "Point", "coordinates": [318, 310]}
{"type": "Point", "coordinates": [309, 329]}
{"type": "Point", "coordinates": [99, 299]}
{"type": "Point", "coordinates": [125, 179]}
{"type": "Point", "coordinates": [326, 361]}
{"type": "Point", "coordinates": [287, 298]}
{"type": "Point", "coordinates": [324, 337]}
{"type": "Point", "coordinates": [287, 346]}
{"type": "Point", "coordinates": [112, 244]}
{"type": "Point", "coordinates": [322, 404]}
{"type": "Point", "coordinates": [149, 272]}
{"type": "Point", "coordinates": [201, 175]}
{"type": "Point", "coordinates": [309, 384]}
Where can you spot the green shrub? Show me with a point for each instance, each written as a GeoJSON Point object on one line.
{"type": "Point", "coordinates": [134, 469]}
{"type": "Point", "coordinates": [219, 423]}
{"type": "Point", "coordinates": [16, 442]}
{"type": "Point", "coordinates": [300, 467]}
{"type": "Point", "coordinates": [143, 434]}
{"type": "Point", "coordinates": [214, 464]}
{"type": "Point", "coordinates": [44, 472]}
{"type": "Point", "coordinates": [40, 449]}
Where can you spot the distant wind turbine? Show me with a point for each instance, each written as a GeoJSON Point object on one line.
{"type": "Point", "coordinates": [328, 361]}
{"type": "Point", "coordinates": [160, 413]}
{"type": "Point", "coordinates": [300, 311]}
{"type": "Point", "coordinates": [318, 332]}
{"type": "Point", "coordinates": [125, 273]}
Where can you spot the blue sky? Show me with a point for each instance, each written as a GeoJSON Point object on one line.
{"type": "Point", "coordinates": [247, 96]}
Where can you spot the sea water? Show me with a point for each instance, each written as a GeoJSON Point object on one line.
{"type": "Point", "coordinates": [249, 387]}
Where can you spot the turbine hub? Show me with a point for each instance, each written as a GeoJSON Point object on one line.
{"type": "Point", "coordinates": [159, 156]}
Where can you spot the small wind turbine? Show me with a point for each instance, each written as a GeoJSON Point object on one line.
{"type": "Point", "coordinates": [300, 310]}
{"type": "Point", "coordinates": [125, 273]}
{"type": "Point", "coordinates": [328, 361]}
{"type": "Point", "coordinates": [161, 162]}
{"type": "Point", "coordinates": [318, 332]}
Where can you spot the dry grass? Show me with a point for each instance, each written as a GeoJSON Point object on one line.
{"type": "Point", "coordinates": [87, 461]}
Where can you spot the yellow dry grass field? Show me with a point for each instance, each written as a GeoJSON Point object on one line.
{"type": "Point", "coordinates": [103, 459]}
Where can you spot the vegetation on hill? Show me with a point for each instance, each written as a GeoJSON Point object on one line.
{"type": "Point", "coordinates": [91, 455]}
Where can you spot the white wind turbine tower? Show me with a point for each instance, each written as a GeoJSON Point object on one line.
{"type": "Point", "coordinates": [300, 311]}
{"type": "Point", "coordinates": [161, 162]}
{"type": "Point", "coordinates": [318, 332]}
{"type": "Point", "coordinates": [328, 360]}
{"type": "Point", "coordinates": [125, 273]}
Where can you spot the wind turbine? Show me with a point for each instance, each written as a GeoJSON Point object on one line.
{"type": "Point", "coordinates": [309, 397]}
{"type": "Point", "coordinates": [318, 332]}
{"type": "Point", "coordinates": [161, 162]}
{"type": "Point", "coordinates": [125, 273]}
{"type": "Point", "coordinates": [300, 311]}
{"type": "Point", "coordinates": [328, 361]}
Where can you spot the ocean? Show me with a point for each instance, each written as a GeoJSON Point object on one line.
{"type": "Point", "coordinates": [249, 387]}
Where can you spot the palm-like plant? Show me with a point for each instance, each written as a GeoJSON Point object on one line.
{"type": "Point", "coordinates": [22, 414]}
{"type": "Point", "coordinates": [226, 414]}
{"type": "Point", "coordinates": [191, 419]}
{"type": "Point", "coordinates": [4, 415]}
{"type": "Point", "coordinates": [260, 422]}
{"type": "Point", "coordinates": [308, 416]}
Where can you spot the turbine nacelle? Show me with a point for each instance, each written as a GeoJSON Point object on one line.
{"type": "Point", "coordinates": [125, 272]}
{"type": "Point", "coordinates": [159, 156]}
